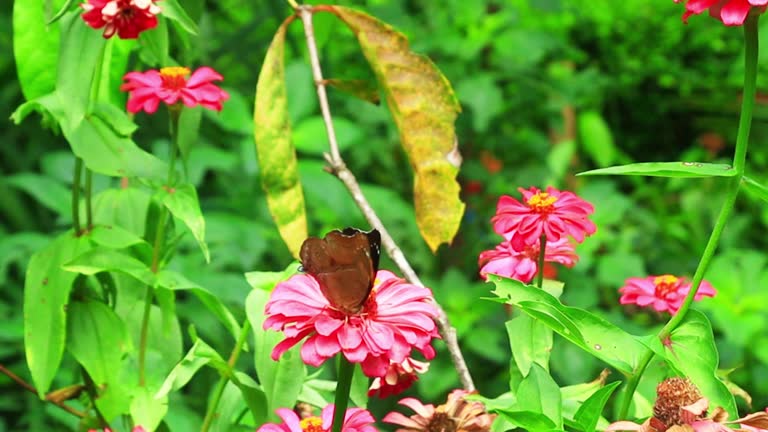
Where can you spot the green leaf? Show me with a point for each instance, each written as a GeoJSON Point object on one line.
{"type": "Point", "coordinates": [538, 392]}
{"type": "Point", "coordinates": [277, 156]}
{"type": "Point", "coordinates": [154, 45]}
{"type": "Point", "coordinates": [362, 89]}
{"type": "Point", "coordinates": [102, 259]}
{"type": "Point", "coordinates": [667, 169]}
{"type": "Point", "coordinates": [595, 136]}
{"type": "Point", "coordinates": [199, 355]}
{"type": "Point", "coordinates": [266, 281]}
{"type": "Point", "coordinates": [310, 136]}
{"type": "Point", "coordinates": [586, 330]}
{"type": "Point", "coordinates": [125, 207]}
{"type": "Point", "coordinates": [98, 340]}
{"type": "Point", "coordinates": [528, 420]}
{"type": "Point", "coordinates": [189, 130]}
{"type": "Point", "coordinates": [424, 109]}
{"type": "Point", "coordinates": [183, 203]}
{"type": "Point", "coordinates": [281, 380]}
{"type": "Point", "coordinates": [358, 393]}
{"type": "Point", "coordinates": [46, 295]}
{"type": "Point", "coordinates": [35, 46]}
{"type": "Point", "coordinates": [114, 237]}
{"type": "Point", "coordinates": [530, 341]}
{"type": "Point", "coordinates": [177, 282]}
{"type": "Point", "coordinates": [46, 190]}
{"type": "Point", "coordinates": [79, 53]}
{"type": "Point", "coordinates": [693, 354]}
{"type": "Point", "coordinates": [253, 395]}
{"type": "Point", "coordinates": [148, 410]}
{"type": "Point", "coordinates": [590, 411]}
{"type": "Point", "coordinates": [756, 188]}
{"type": "Point", "coordinates": [173, 11]}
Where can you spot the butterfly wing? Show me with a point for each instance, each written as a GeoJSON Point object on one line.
{"type": "Point", "coordinates": [344, 263]}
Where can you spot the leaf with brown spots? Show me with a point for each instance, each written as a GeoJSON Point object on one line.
{"type": "Point", "coordinates": [424, 108]}
{"type": "Point", "coordinates": [277, 156]}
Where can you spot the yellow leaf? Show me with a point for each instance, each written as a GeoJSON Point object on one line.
{"type": "Point", "coordinates": [276, 154]}
{"type": "Point", "coordinates": [424, 108]}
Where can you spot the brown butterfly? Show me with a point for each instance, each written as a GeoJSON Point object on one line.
{"type": "Point", "coordinates": [344, 263]}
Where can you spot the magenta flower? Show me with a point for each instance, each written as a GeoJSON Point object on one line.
{"type": "Point", "coordinates": [127, 18]}
{"type": "Point", "coordinates": [729, 12]}
{"type": "Point", "coordinates": [662, 293]}
{"type": "Point", "coordinates": [457, 414]}
{"type": "Point", "coordinates": [355, 420]}
{"type": "Point", "coordinates": [399, 377]}
{"type": "Point", "coordinates": [523, 265]}
{"type": "Point", "coordinates": [553, 213]}
{"type": "Point", "coordinates": [396, 318]}
{"type": "Point", "coordinates": [170, 85]}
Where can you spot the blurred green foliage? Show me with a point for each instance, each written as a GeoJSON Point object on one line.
{"type": "Point", "coordinates": [548, 88]}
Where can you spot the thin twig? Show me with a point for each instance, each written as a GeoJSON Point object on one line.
{"type": "Point", "coordinates": [340, 170]}
{"type": "Point", "coordinates": [31, 389]}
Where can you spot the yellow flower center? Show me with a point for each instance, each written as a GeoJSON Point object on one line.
{"type": "Point", "coordinates": [542, 202]}
{"type": "Point", "coordinates": [174, 77]}
{"type": "Point", "coordinates": [311, 424]}
{"type": "Point", "coordinates": [665, 284]}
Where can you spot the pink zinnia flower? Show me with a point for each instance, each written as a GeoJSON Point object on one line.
{"type": "Point", "coordinates": [396, 318]}
{"type": "Point", "coordinates": [127, 18]}
{"type": "Point", "coordinates": [460, 414]}
{"type": "Point", "coordinates": [135, 429]}
{"type": "Point", "coordinates": [399, 377]}
{"type": "Point", "coordinates": [553, 213]}
{"type": "Point", "coordinates": [730, 12]}
{"type": "Point", "coordinates": [170, 85]}
{"type": "Point", "coordinates": [355, 420]}
{"type": "Point", "coordinates": [662, 293]}
{"type": "Point", "coordinates": [523, 265]}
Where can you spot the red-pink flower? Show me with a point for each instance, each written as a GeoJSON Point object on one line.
{"type": "Point", "coordinates": [355, 420]}
{"type": "Point", "coordinates": [553, 213]}
{"type": "Point", "coordinates": [399, 377]}
{"type": "Point", "coordinates": [127, 18]}
{"type": "Point", "coordinates": [170, 85]}
{"type": "Point", "coordinates": [523, 265]}
{"type": "Point", "coordinates": [135, 429]}
{"type": "Point", "coordinates": [730, 12]}
{"type": "Point", "coordinates": [396, 318]}
{"type": "Point", "coordinates": [662, 293]}
{"type": "Point", "coordinates": [460, 414]}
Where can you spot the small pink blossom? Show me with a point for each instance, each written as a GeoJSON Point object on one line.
{"type": "Point", "coordinates": [170, 85]}
{"type": "Point", "coordinates": [355, 420]}
{"type": "Point", "coordinates": [127, 18]}
{"type": "Point", "coordinates": [399, 377]}
{"type": "Point", "coordinates": [662, 293]}
{"type": "Point", "coordinates": [553, 213]}
{"type": "Point", "coordinates": [729, 12]}
{"type": "Point", "coordinates": [396, 318]}
{"type": "Point", "coordinates": [523, 265]}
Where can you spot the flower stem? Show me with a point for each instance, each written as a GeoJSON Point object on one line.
{"type": "Point", "coordinates": [542, 255]}
{"type": "Point", "coordinates": [346, 370]}
{"type": "Point", "coordinates": [739, 164]}
{"type": "Point", "coordinates": [76, 194]}
{"type": "Point", "coordinates": [157, 247]}
{"type": "Point", "coordinates": [221, 385]}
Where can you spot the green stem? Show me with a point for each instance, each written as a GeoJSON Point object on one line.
{"type": "Point", "coordinates": [739, 164]}
{"type": "Point", "coordinates": [221, 385]}
{"type": "Point", "coordinates": [144, 334]}
{"type": "Point", "coordinates": [88, 204]}
{"type": "Point", "coordinates": [346, 370]}
{"type": "Point", "coordinates": [542, 255]}
{"type": "Point", "coordinates": [76, 194]}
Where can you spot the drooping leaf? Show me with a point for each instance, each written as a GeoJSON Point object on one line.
{"type": "Point", "coordinates": [277, 156]}
{"type": "Point", "coordinates": [102, 259]}
{"type": "Point", "coordinates": [183, 203]}
{"type": "Point", "coordinates": [253, 396]}
{"type": "Point", "coordinates": [530, 341]}
{"type": "Point", "coordinates": [201, 354]}
{"type": "Point", "coordinates": [582, 328]}
{"type": "Point", "coordinates": [692, 352]}
{"type": "Point", "coordinates": [46, 295]}
{"type": "Point", "coordinates": [752, 186]}
{"type": "Point", "coordinates": [667, 169]}
{"type": "Point", "coordinates": [174, 11]}
{"type": "Point", "coordinates": [281, 380]}
{"type": "Point", "coordinates": [538, 392]}
{"type": "Point", "coordinates": [424, 108]}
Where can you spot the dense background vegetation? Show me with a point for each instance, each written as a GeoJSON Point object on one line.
{"type": "Point", "coordinates": [548, 88]}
